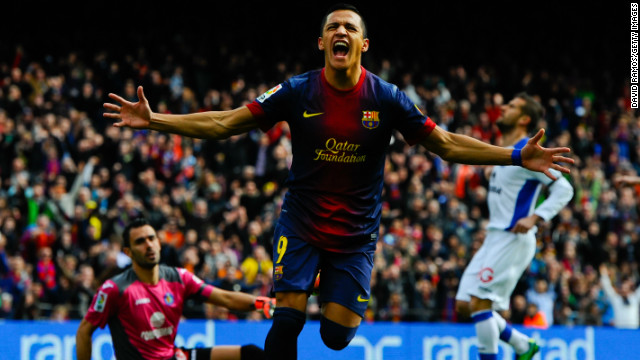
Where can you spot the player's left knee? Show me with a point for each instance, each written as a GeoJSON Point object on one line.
{"type": "Point", "coordinates": [334, 335]}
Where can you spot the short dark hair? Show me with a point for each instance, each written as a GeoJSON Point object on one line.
{"type": "Point", "coordinates": [134, 224]}
{"type": "Point", "coordinates": [343, 6]}
{"type": "Point", "coordinates": [532, 108]}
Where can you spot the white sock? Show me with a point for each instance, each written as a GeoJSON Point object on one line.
{"type": "Point", "coordinates": [515, 338]}
{"type": "Point", "coordinates": [487, 332]}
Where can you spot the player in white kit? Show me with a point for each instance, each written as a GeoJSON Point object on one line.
{"type": "Point", "coordinates": [510, 244]}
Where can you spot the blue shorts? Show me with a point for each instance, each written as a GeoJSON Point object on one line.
{"type": "Point", "coordinates": [345, 277]}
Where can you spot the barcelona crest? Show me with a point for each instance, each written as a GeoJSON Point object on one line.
{"type": "Point", "coordinates": [278, 273]}
{"type": "Point", "coordinates": [370, 119]}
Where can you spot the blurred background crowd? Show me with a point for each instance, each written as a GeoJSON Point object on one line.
{"type": "Point", "coordinates": [70, 182]}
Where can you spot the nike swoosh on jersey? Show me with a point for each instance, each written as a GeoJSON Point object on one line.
{"type": "Point", "coordinates": [360, 299]}
{"type": "Point", "coordinates": [307, 115]}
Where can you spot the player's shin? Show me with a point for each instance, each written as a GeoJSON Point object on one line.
{"type": "Point", "coordinates": [513, 337]}
{"type": "Point", "coordinates": [487, 333]}
{"type": "Point", "coordinates": [282, 340]}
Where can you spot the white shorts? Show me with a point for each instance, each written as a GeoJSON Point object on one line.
{"type": "Point", "coordinates": [495, 269]}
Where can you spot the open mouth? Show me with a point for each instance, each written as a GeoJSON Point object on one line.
{"type": "Point", "coordinates": [340, 49]}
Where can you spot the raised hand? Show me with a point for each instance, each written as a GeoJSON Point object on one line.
{"type": "Point", "coordinates": [604, 271]}
{"type": "Point", "coordinates": [135, 115]}
{"type": "Point", "coordinates": [538, 158]}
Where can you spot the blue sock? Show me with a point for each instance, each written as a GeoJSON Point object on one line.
{"type": "Point", "coordinates": [282, 340]}
{"type": "Point", "coordinates": [513, 337]}
{"type": "Point", "coordinates": [505, 335]}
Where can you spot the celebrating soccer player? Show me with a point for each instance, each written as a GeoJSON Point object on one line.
{"type": "Point", "coordinates": [341, 118]}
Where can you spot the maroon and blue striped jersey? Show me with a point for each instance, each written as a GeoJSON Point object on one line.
{"type": "Point", "coordinates": [339, 141]}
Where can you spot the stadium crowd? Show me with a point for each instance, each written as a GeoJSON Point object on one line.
{"type": "Point", "coordinates": [69, 182]}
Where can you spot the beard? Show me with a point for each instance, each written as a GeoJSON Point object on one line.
{"type": "Point", "coordinates": [145, 263]}
{"type": "Point", "coordinates": [504, 128]}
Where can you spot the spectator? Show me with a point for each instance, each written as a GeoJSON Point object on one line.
{"type": "Point", "coordinates": [259, 263]}
{"type": "Point", "coordinates": [534, 318]}
{"type": "Point", "coordinates": [624, 301]}
{"type": "Point", "coordinates": [6, 305]}
{"type": "Point", "coordinates": [544, 297]}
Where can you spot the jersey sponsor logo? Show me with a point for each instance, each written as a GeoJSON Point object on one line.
{"type": "Point", "coordinates": [278, 272]}
{"type": "Point", "coordinates": [157, 319]}
{"type": "Point", "coordinates": [360, 299]}
{"type": "Point", "coordinates": [308, 115]}
{"type": "Point", "coordinates": [486, 275]}
{"type": "Point", "coordinates": [339, 151]}
{"type": "Point", "coordinates": [101, 302]}
{"type": "Point", "coordinates": [143, 301]}
{"type": "Point", "coordinates": [156, 333]}
{"type": "Point", "coordinates": [370, 119]}
{"type": "Point", "coordinates": [269, 92]}
{"type": "Point", "coordinates": [495, 189]}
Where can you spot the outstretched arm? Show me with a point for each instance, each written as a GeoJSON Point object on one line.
{"type": "Point", "coordinates": [204, 125]}
{"type": "Point", "coordinates": [235, 300]}
{"type": "Point", "coordinates": [467, 150]}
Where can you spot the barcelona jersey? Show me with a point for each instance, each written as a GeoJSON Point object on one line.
{"type": "Point", "coordinates": [339, 141]}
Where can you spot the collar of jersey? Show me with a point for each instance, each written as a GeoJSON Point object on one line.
{"type": "Point", "coordinates": [348, 91]}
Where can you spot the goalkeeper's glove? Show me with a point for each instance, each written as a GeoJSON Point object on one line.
{"type": "Point", "coordinates": [265, 304]}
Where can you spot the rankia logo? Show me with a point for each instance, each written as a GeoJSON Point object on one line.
{"type": "Point", "coordinates": [370, 119]}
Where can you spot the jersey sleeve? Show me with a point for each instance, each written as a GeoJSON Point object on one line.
{"type": "Point", "coordinates": [560, 193]}
{"type": "Point", "coordinates": [104, 304]}
{"type": "Point", "coordinates": [270, 107]}
{"type": "Point", "coordinates": [193, 285]}
{"type": "Point", "coordinates": [411, 122]}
